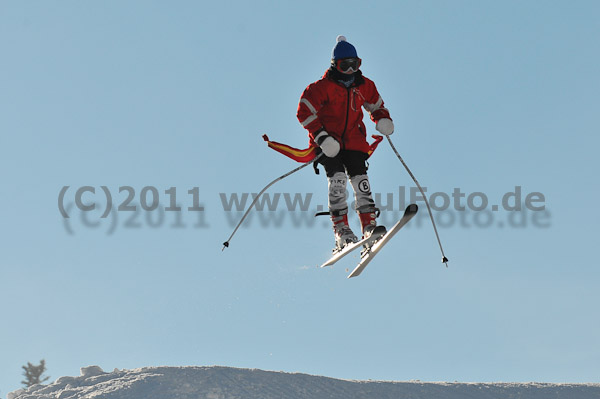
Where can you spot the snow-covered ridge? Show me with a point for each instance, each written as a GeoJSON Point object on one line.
{"type": "Point", "coordinates": [232, 383]}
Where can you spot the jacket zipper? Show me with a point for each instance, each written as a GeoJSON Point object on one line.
{"type": "Point", "coordinates": [347, 112]}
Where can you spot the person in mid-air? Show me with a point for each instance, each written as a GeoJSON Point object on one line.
{"type": "Point", "coordinates": [330, 109]}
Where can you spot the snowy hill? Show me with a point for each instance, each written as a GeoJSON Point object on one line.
{"type": "Point", "coordinates": [230, 383]}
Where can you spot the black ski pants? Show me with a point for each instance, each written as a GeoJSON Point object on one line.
{"type": "Point", "coordinates": [352, 163]}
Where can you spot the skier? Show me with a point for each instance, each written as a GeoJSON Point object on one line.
{"type": "Point", "coordinates": [330, 109]}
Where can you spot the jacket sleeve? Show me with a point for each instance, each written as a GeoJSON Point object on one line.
{"type": "Point", "coordinates": [374, 103]}
{"type": "Point", "coordinates": [311, 101]}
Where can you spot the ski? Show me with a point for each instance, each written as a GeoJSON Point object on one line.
{"type": "Point", "coordinates": [410, 211]}
{"type": "Point", "coordinates": [377, 233]}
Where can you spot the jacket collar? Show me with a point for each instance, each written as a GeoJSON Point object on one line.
{"type": "Point", "coordinates": [335, 76]}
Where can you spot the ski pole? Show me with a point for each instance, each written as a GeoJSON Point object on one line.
{"type": "Point", "coordinates": [444, 259]}
{"type": "Point", "coordinates": [226, 243]}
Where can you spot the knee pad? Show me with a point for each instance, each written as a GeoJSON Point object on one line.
{"type": "Point", "coordinates": [338, 194]}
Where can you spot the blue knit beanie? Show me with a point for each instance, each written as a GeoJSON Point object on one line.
{"type": "Point", "coordinates": [343, 49]}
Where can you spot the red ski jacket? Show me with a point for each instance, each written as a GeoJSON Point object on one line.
{"type": "Point", "coordinates": [329, 105]}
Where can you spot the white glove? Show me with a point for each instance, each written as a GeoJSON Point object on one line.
{"type": "Point", "coordinates": [328, 144]}
{"type": "Point", "coordinates": [385, 126]}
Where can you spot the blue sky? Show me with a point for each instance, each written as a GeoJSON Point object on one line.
{"type": "Point", "coordinates": [485, 97]}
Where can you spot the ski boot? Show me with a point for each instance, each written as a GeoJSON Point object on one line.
{"type": "Point", "coordinates": [341, 228]}
{"type": "Point", "coordinates": [367, 216]}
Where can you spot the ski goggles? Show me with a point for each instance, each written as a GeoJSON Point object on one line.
{"type": "Point", "coordinates": [348, 65]}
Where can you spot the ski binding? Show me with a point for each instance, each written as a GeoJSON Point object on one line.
{"type": "Point", "coordinates": [378, 232]}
